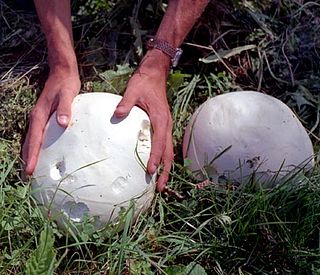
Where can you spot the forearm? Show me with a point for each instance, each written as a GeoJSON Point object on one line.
{"type": "Point", "coordinates": [178, 20]}
{"type": "Point", "coordinates": [55, 19]}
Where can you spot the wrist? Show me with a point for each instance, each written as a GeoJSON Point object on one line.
{"type": "Point", "coordinates": [63, 70]}
{"type": "Point", "coordinates": [173, 52]}
{"type": "Point", "coordinates": [61, 55]}
{"type": "Point", "coordinates": [63, 62]}
{"type": "Point", "coordinates": [156, 61]}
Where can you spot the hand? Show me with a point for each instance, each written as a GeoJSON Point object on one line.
{"type": "Point", "coordinates": [147, 89]}
{"type": "Point", "coordinates": [57, 95]}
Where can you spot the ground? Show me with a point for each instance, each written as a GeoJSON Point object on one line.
{"type": "Point", "coordinates": [270, 46]}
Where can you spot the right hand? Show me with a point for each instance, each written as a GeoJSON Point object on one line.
{"type": "Point", "coordinates": [147, 90]}
{"type": "Point", "coordinates": [57, 95]}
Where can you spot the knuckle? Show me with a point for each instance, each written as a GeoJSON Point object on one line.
{"type": "Point", "coordinates": [66, 97]}
{"type": "Point", "coordinates": [169, 154]}
{"type": "Point", "coordinates": [64, 108]}
{"type": "Point", "coordinates": [169, 158]}
{"type": "Point", "coordinates": [156, 155]}
{"type": "Point", "coordinates": [158, 116]}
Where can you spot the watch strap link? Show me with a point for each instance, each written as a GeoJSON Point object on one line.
{"type": "Point", "coordinates": [165, 47]}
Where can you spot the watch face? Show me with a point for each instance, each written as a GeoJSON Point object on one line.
{"type": "Point", "coordinates": [176, 58]}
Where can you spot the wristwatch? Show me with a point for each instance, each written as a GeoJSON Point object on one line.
{"type": "Point", "coordinates": [165, 47]}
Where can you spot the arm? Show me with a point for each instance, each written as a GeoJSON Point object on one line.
{"type": "Point", "coordinates": [55, 19]}
{"type": "Point", "coordinates": [179, 19]}
{"type": "Point", "coordinates": [63, 83]}
{"type": "Point", "coordinates": [147, 87]}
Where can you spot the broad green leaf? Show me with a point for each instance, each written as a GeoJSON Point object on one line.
{"type": "Point", "coordinates": [116, 80]}
{"type": "Point", "coordinates": [176, 80]}
{"type": "Point", "coordinates": [176, 270]}
{"type": "Point", "coordinates": [140, 267]}
{"type": "Point", "coordinates": [226, 53]}
{"type": "Point", "coordinates": [195, 269]}
{"type": "Point", "coordinates": [43, 258]}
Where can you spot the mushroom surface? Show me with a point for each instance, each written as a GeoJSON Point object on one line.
{"type": "Point", "coordinates": [95, 167]}
{"type": "Point", "coordinates": [240, 134]}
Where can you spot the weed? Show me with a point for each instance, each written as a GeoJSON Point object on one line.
{"type": "Point", "coordinates": [270, 46]}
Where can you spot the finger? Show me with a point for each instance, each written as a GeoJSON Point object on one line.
{"type": "Point", "coordinates": [164, 177]}
{"type": "Point", "coordinates": [124, 107]}
{"type": "Point", "coordinates": [167, 163]}
{"type": "Point", "coordinates": [63, 113]}
{"type": "Point", "coordinates": [38, 119]}
{"type": "Point", "coordinates": [158, 142]}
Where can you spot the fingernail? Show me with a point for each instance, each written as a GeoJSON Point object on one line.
{"type": "Point", "coordinates": [63, 119]}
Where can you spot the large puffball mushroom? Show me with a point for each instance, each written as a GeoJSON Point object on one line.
{"type": "Point", "coordinates": [95, 168]}
{"type": "Point", "coordinates": [241, 134]}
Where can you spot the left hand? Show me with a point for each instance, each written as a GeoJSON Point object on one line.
{"type": "Point", "coordinates": [147, 90]}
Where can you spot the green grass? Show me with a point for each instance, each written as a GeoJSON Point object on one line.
{"type": "Point", "coordinates": [221, 229]}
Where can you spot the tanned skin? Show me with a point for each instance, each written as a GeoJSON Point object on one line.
{"type": "Point", "coordinates": [146, 88]}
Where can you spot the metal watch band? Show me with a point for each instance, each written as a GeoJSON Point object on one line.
{"type": "Point", "coordinates": [165, 47]}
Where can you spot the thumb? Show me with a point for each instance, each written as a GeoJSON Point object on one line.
{"type": "Point", "coordinates": [64, 109]}
{"type": "Point", "coordinates": [125, 106]}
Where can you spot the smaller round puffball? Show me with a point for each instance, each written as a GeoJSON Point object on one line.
{"type": "Point", "coordinates": [95, 168]}
{"type": "Point", "coordinates": [241, 133]}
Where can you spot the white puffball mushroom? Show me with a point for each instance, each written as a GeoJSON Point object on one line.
{"type": "Point", "coordinates": [96, 166]}
{"type": "Point", "coordinates": [241, 133]}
